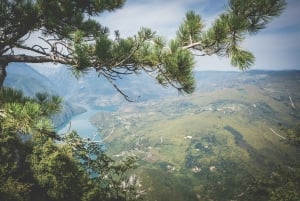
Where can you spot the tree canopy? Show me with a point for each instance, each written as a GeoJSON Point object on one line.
{"type": "Point", "coordinates": [68, 35]}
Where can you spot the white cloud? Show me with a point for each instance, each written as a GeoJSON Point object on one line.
{"type": "Point", "coordinates": [275, 51]}
{"type": "Point", "coordinates": [162, 16]}
{"type": "Point", "coordinates": [278, 47]}
{"type": "Point", "coordinates": [131, 18]}
{"type": "Point", "coordinates": [290, 18]}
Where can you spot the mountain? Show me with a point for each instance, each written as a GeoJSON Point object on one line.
{"type": "Point", "coordinates": [23, 77]}
{"type": "Point", "coordinates": [95, 91]}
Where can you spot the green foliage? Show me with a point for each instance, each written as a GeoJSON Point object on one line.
{"type": "Point", "coordinates": [10, 95]}
{"type": "Point", "coordinates": [55, 171]}
{"type": "Point", "coordinates": [174, 65]}
{"type": "Point", "coordinates": [108, 179]}
{"type": "Point", "coordinates": [242, 58]}
{"type": "Point", "coordinates": [179, 67]}
{"type": "Point", "coordinates": [21, 114]}
{"type": "Point", "coordinates": [35, 167]}
{"type": "Point", "coordinates": [190, 30]}
{"type": "Point", "coordinates": [63, 17]}
{"type": "Point", "coordinates": [13, 167]}
{"type": "Point", "coordinates": [229, 29]}
{"type": "Point", "coordinates": [255, 15]}
{"type": "Point", "coordinates": [49, 104]}
{"type": "Point", "coordinates": [103, 47]}
{"type": "Point", "coordinates": [248, 17]}
{"type": "Point", "coordinates": [13, 190]}
{"type": "Point", "coordinates": [71, 36]}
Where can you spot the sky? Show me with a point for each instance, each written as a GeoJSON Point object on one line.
{"type": "Point", "coordinates": [276, 48]}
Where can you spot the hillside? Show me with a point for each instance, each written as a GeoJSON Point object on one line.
{"type": "Point", "coordinates": [210, 145]}
{"type": "Point", "coordinates": [24, 77]}
{"type": "Point", "coordinates": [227, 141]}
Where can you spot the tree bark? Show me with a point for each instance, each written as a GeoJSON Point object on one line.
{"type": "Point", "coordinates": [6, 59]}
{"type": "Point", "coordinates": [3, 74]}
{"type": "Point", "coordinates": [34, 59]}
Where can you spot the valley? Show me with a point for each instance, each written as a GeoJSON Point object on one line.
{"type": "Point", "coordinates": [227, 141]}
{"type": "Point", "coordinates": [208, 145]}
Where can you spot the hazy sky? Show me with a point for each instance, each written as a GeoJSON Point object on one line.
{"type": "Point", "coordinates": [277, 47]}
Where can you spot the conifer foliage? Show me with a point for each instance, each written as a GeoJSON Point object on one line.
{"type": "Point", "coordinates": [67, 34]}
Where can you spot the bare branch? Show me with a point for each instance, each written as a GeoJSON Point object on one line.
{"type": "Point", "coordinates": [46, 41]}
{"type": "Point", "coordinates": [128, 98]}
{"type": "Point", "coordinates": [52, 51]}
{"type": "Point", "coordinates": [148, 69]}
{"type": "Point", "coordinates": [192, 45]}
{"type": "Point", "coordinates": [33, 49]}
{"type": "Point", "coordinates": [63, 45]}
{"type": "Point", "coordinates": [5, 50]}
{"type": "Point", "coordinates": [26, 38]}
{"type": "Point", "coordinates": [40, 47]}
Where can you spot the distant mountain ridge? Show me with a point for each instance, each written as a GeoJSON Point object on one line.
{"type": "Point", "coordinates": [95, 91]}
{"type": "Point", "coordinates": [23, 77]}
{"type": "Point", "coordinates": [61, 81]}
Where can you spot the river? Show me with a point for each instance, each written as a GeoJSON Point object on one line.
{"type": "Point", "coordinates": [81, 122]}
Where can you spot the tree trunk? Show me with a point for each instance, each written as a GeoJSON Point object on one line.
{"type": "Point", "coordinates": [3, 66]}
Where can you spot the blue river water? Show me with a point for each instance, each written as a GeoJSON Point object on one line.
{"type": "Point", "coordinates": [81, 124]}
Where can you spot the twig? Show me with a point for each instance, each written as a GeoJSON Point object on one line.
{"type": "Point", "coordinates": [129, 99]}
